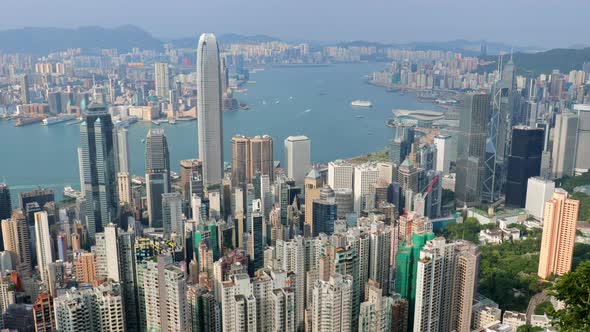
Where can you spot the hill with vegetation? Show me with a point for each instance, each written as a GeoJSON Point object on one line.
{"type": "Point", "coordinates": [532, 64]}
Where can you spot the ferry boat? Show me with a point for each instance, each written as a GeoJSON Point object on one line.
{"type": "Point", "coordinates": [71, 193]}
{"type": "Point", "coordinates": [361, 103]}
{"type": "Point", "coordinates": [58, 119]}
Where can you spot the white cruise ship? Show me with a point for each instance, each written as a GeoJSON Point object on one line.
{"type": "Point", "coordinates": [361, 103]}
{"type": "Point", "coordinates": [58, 119]}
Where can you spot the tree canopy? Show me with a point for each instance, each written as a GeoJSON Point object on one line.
{"type": "Point", "coordinates": [574, 290]}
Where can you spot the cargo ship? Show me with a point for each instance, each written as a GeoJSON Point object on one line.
{"type": "Point", "coordinates": [27, 121]}
{"type": "Point", "coordinates": [361, 103]}
{"type": "Point", "coordinates": [58, 119]}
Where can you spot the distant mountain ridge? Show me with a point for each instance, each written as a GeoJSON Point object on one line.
{"type": "Point", "coordinates": [563, 59]}
{"type": "Point", "coordinates": [46, 40]}
{"type": "Point", "coordinates": [229, 38]}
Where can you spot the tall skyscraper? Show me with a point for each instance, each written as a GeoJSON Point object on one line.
{"type": "Point", "coordinates": [189, 169]}
{"type": "Point", "coordinates": [261, 157]}
{"type": "Point", "coordinates": [25, 94]}
{"type": "Point", "coordinates": [313, 184]}
{"type": "Point", "coordinates": [297, 157]}
{"type": "Point", "coordinates": [162, 78]}
{"type": "Point", "coordinates": [210, 124]}
{"type": "Point", "coordinates": [582, 157]}
{"type": "Point", "coordinates": [238, 305]}
{"type": "Point", "coordinates": [524, 163]}
{"type": "Point", "coordinates": [559, 235]}
{"type": "Point", "coordinates": [172, 218]}
{"type": "Point", "coordinates": [376, 311]}
{"type": "Point", "coordinates": [565, 137]}
{"type": "Point", "coordinates": [157, 178]}
{"type": "Point", "coordinates": [380, 245]}
{"type": "Point", "coordinates": [445, 284]}
{"type": "Point", "coordinates": [498, 123]}
{"type": "Point", "coordinates": [538, 192]}
{"type": "Point", "coordinates": [16, 241]}
{"type": "Point", "coordinates": [443, 153]}
{"type": "Point", "coordinates": [471, 149]}
{"type": "Point", "coordinates": [323, 219]}
{"type": "Point", "coordinates": [240, 153]}
{"type": "Point", "coordinates": [5, 208]}
{"type": "Point", "coordinates": [43, 244]}
{"type": "Point", "coordinates": [256, 226]}
{"type": "Point", "coordinates": [99, 169]}
{"type": "Point", "coordinates": [332, 304]}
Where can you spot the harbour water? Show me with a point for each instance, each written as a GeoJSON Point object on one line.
{"type": "Point", "coordinates": [312, 101]}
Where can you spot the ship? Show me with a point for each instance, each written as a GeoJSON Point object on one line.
{"type": "Point", "coordinates": [27, 121]}
{"type": "Point", "coordinates": [58, 119]}
{"type": "Point", "coordinates": [361, 103]}
{"type": "Point", "coordinates": [71, 193]}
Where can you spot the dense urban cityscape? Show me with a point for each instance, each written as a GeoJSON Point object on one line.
{"type": "Point", "coordinates": [474, 217]}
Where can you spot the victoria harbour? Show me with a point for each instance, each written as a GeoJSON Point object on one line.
{"type": "Point", "coordinates": [284, 100]}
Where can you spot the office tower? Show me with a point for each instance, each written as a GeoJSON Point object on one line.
{"type": "Point", "coordinates": [99, 169]}
{"type": "Point", "coordinates": [376, 311]}
{"type": "Point", "coordinates": [445, 283]}
{"type": "Point", "coordinates": [240, 152]}
{"type": "Point", "coordinates": [408, 177]}
{"type": "Point", "coordinates": [261, 157]}
{"type": "Point", "coordinates": [426, 156]}
{"type": "Point", "coordinates": [565, 137]}
{"type": "Point", "coordinates": [471, 149]}
{"type": "Point", "coordinates": [172, 218]}
{"type": "Point", "coordinates": [380, 245]}
{"type": "Point", "coordinates": [157, 177]}
{"type": "Point", "coordinates": [582, 158]}
{"type": "Point", "coordinates": [538, 192]}
{"type": "Point", "coordinates": [122, 143]}
{"type": "Point", "coordinates": [313, 184]}
{"type": "Point", "coordinates": [238, 305]}
{"type": "Point", "coordinates": [165, 290]}
{"type": "Point", "coordinates": [443, 153]}
{"type": "Point", "coordinates": [210, 124]}
{"type": "Point", "coordinates": [204, 312]}
{"type": "Point", "coordinates": [499, 121]}
{"type": "Point", "coordinates": [25, 95]}
{"type": "Point", "coordinates": [43, 244]}
{"type": "Point", "coordinates": [16, 241]}
{"type": "Point", "coordinates": [5, 203]}
{"type": "Point", "coordinates": [297, 157]}
{"type": "Point", "coordinates": [124, 188]}
{"type": "Point", "coordinates": [559, 235]}
{"type": "Point", "coordinates": [43, 313]}
{"type": "Point", "coordinates": [401, 144]}
{"type": "Point", "coordinates": [188, 169]}
{"type": "Point", "coordinates": [266, 194]}
{"type": "Point", "coordinates": [364, 176]}
{"type": "Point", "coordinates": [90, 309]}
{"type": "Point", "coordinates": [524, 162]}
{"type": "Point", "coordinates": [325, 213]}
{"type": "Point", "coordinates": [162, 80]}
{"type": "Point", "coordinates": [340, 174]}
{"type": "Point", "coordinates": [344, 198]}
{"type": "Point", "coordinates": [256, 226]}
{"type": "Point", "coordinates": [332, 304]}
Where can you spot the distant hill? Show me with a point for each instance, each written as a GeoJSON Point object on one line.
{"type": "Point", "coordinates": [563, 59]}
{"type": "Point", "coordinates": [230, 38]}
{"type": "Point", "coordinates": [465, 47]}
{"type": "Point", "coordinates": [46, 40]}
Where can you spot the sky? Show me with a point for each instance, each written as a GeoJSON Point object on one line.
{"type": "Point", "coordinates": [542, 23]}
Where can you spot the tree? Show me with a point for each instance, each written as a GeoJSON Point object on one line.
{"type": "Point", "coordinates": [574, 290]}
{"type": "Point", "coordinates": [529, 328]}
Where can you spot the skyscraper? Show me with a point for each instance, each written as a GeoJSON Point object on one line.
{"type": "Point", "coordinates": [25, 95]}
{"type": "Point", "coordinates": [5, 208]}
{"type": "Point", "coordinates": [43, 244]}
{"type": "Point", "coordinates": [559, 235]}
{"type": "Point", "coordinates": [538, 192]}
{"type": "Point", "coordinates": [172, 218]}
{"type": "Point", "coordinates": [16, 241]}
{"type": "Point", "coordinates": [565, 136]}
{"type": "Point", "coordinates": [162, 78]}
{"type": "Point", "coordinates": [364, 176]}
{"type": "Point", "coordinates": [210, 124]}
{"type": "Point", "coordinates": [297, 157]}
{"type": "Point", "coordinates": [189, 170]}
{"type": "Point", "coordinates": [256, 226]}
{"type": "Point", "coordinates": [99, 169]}
{"type": "Point", "coordinates": [261, 157]}
{"type": "Point", "coordinates": [324, 216]}
{"type": "Point", "coordinates": [313, 184]}
{"type": "Point", "coordinates": [240, 157]}
{"type": "Point", "coordinates": [524, 163]}
{"type": "Point", "coordinates": [582, 156]}
{"type": "Point", "coordinates": [443, 153]}
{"type": "Point", "coordinates": [43, 313]}
{"type": "Point", "coordinates": [340, 174]}
{"type": "Point", "coordinates": [332, 304]}
{"type": "Point", "coordinates": [157, 178]}
{"type": "Point", "coordinates": [445, 284]}
{"type": "Point", "coordinates": [471, 149]}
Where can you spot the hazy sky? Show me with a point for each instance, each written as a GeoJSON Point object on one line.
{"type": "Point", "coordinates": [546, 23]}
